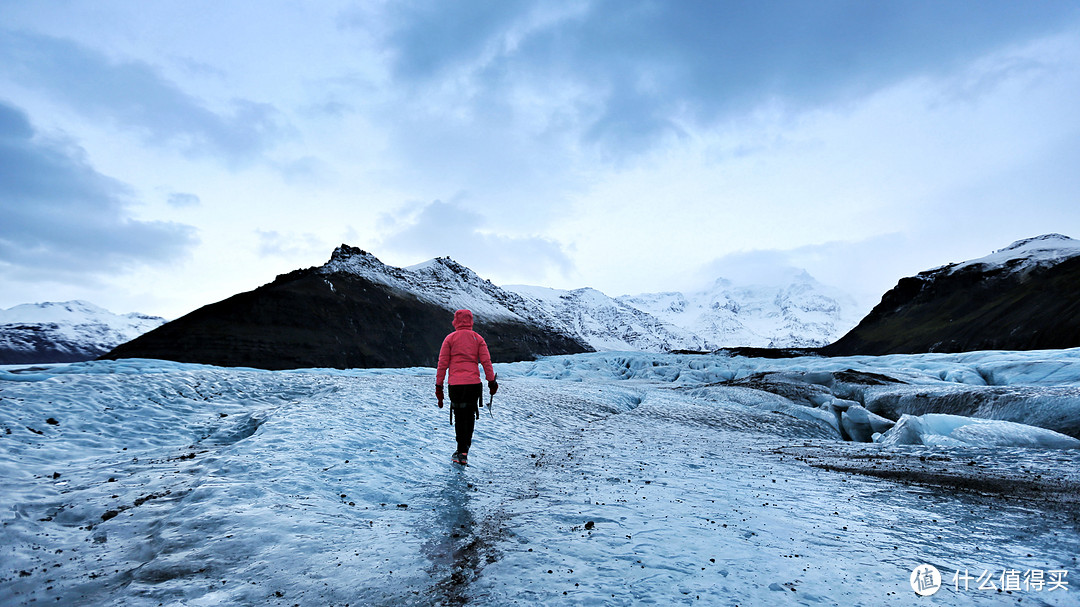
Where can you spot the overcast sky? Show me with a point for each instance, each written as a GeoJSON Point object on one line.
{"type": "Point", "coordinates": [159, 156]}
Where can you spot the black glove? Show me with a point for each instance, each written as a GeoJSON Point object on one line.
{"type": "Point", "coordinates": [493, 387]}
{"type": "Point", "coordinates": [439, 394]}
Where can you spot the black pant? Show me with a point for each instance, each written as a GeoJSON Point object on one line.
{"type": "Point", "coordinates": [465, 403]}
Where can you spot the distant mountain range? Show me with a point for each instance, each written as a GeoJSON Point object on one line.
{"type": "Point", "coordinates": [1023, 297]}
{"type": "Point", "coordinates": [66, 331]}
{"type": "Point", "coordinates": [355, 311]}
{"type": "Point", "coordinates": [801, 313]}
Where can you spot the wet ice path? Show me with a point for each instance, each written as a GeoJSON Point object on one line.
{"type": "Point", "coordinates": [206, 486]}
{"type": "Point", "coordinates": [683, 510]}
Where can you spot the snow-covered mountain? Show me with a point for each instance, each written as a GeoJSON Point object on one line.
{"type": "Point", "coordinates": [1023, 297]}
{"type": "Point", "coordinates": [66, 331]}
{"type": "Point", "coordinates": [1021, 256]}
{"type": "Point", "coordinates": [802, 313]}
{"type": "Point", "coordinates": [799, 314]}
{"type": "Point", "coordinates": [355, 311]}
{"type": "Point", "coordinates": [607, 323]}
{"type": "Point", "coordinates": [444, 283]}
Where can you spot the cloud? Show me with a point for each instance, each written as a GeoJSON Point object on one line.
{"type": "Point", "coordinates": [64, 220]}
{"type": "Point", "coordinates": [275, 244]}
{"type": "Point", "coordinates": [449, 229]}
{"type": "Point", "coordinates": [305, 170]}
{"type": "Point", "coordinates": [864, 268]}
{"type": "Point", "coordinates": [134, 96]}
{"type": "Point", "coordinates": [638, 69]}
{"type": "Point", "coordinates": [529, 105]}
{"type": "Point", "coordinates": [957, 170]}
{"type": "Point", "coordinates": [183, 199]}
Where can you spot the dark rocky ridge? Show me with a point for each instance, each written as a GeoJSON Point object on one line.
{"type": "Point", "coordinates": [323, 318]}
{"type": "Point", "coordinates": [1013, 306]}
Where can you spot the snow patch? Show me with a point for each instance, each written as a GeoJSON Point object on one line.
{"type": "Point", "coordinates": [1040, 251]}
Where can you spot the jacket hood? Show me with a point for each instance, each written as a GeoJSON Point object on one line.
{"type": "Point", "coordinates": [463, 319]}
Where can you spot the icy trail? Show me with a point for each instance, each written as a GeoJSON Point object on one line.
{"type": "Point", "coordinates": [147, 483]}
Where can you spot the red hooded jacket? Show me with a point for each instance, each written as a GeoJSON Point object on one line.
{"type": "Point", "coordinates": [461, 352]}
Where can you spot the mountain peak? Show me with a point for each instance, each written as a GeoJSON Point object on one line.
{"type": "Point", "coordinates": [353, 260]}
{"type": "Point", "coordinates": [362, 313]}
{"type": "Point", "coordinates": [1038, 251]}
{"type": "Point", "coordinates": [1017, 298]}
{"type": "Point", "coordinates": [345, 251]}
{"type": "Point", "coordinates": [440, 262]}
{"type": "Point", "coordinates": [350, 254]}
{"type": "Point", "coordinates": [1048, 240]}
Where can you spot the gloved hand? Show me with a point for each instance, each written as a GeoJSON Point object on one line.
{"type": "Point", "coordinates": [439, 394]}
{"type": "Point", "coordinates": [493, 387]}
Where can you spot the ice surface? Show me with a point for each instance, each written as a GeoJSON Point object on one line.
{"type": "Point", "coordinates": [958, 431]}
{"type": "Point", "coordinates": [605, 479]}
{"type": "Point", "coordinates": [861, 425]}
{"type": "Point", "coordinates": [1054, 408]}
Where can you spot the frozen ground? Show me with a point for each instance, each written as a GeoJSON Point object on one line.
{"type": "Point", "coordinates": [602, 479]}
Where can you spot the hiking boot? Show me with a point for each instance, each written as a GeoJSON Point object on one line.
{"type": "Point", "coordinates": [460, 458]}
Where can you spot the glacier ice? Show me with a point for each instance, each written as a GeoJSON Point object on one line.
{"type": "Point", "coordinates": [601, 479]}
{"type": "Point", "coordinates": [939, 429]}
{"type": "Point", "coordinates": [1055, 408]}
{"type": "Point", "coordinates": [861, 425]}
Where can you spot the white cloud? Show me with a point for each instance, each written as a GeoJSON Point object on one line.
{"type": "Point", "coordinates": [449, 229]}
{"type": "Point", "coordinates": [951, 173]}
{"type": "Point", "coordinates": [620, 145]}
{"type": "Point", "coordinates": [65, 221]}
{"type": "Point", "coordinates": [134, 96]}
{"type": "Point", "coordinates": [183, 199]}
{"type": "Point", "coordinates": [289, 245]}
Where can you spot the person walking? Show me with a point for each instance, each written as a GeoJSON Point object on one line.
{"type": "Point", "coordinates": [461, 353]}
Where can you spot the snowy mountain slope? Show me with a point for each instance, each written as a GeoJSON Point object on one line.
{"type": "Point", "coordinates": [606, 323]}
{"type": "Point", "coordinates": [66, 331]}
{"type": "Point", "coordinates": [1023, 255]}
{"type": "Point", "coordinates": [1025, 296]}
{"type": "Point", "coordinates": [799, 314]}
{"type": "Point", "coordinates": [144, 483]}
{"type": "Point", "coordinates": [445, 283]}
